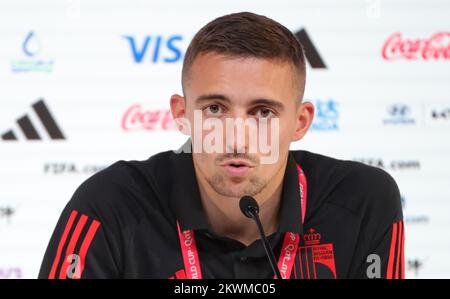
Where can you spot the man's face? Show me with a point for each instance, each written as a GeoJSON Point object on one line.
{"type": "Point", "coordinates": [255, 91]}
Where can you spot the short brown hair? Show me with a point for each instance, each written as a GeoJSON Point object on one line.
{"type": "Point", "coordinates": [247, 34]}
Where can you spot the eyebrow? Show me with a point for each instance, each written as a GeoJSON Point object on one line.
{"type": "Point", "coordinates": [260, 101]}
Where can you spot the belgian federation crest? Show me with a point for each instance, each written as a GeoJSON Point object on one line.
{"type": "Point", "coordinates": [316, 259]}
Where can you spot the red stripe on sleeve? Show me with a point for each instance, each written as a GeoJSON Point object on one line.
{"type": "Point", "coordinates": [402, 257]}
{"type": "Point", "coordinates": [62, 241]}
{"type": "Point", "coordinates": [390, 265]}
{"type": "Point", "coordinates": [85, 247]}
{"type": "Point", "coordinates": [72, 244]}
{"type": "Point", "coordinates": [398, 254]}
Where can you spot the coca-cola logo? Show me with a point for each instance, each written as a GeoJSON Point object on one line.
{"type": "Point", "coordinates": [137, 118]}
{"type": "Point", "coordinates": [434, 48]}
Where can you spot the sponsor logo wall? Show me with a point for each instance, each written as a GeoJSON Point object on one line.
{"type": "Point", "coordinates": [86, 83]}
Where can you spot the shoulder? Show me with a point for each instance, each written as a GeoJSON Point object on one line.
{"type": "Point", "coordinates": [358, 187]}
{"type": "Point", "coordinates": [126, 190]}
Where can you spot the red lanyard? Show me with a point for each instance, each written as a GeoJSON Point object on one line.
{"type": "Point", "coordinates": [288, 250]}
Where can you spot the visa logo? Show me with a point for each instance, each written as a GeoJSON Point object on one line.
{"type": "Point", "coordinates": [155, 49]}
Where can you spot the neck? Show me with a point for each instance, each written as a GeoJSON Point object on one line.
{"type": "Point", "coordinates": [226, 219]}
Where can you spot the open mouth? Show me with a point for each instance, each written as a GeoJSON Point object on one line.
{"type": "Point", "coordinates": [237, 165]}
{"type": "Point", "coordinates": [237, 168]}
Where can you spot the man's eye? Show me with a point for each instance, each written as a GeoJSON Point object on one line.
{"type": "Point", "coordinates": [264, 113]}
{"type": "Point", "coordinates": [213, 109]}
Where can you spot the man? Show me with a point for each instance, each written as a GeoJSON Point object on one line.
{"type": "Point", "coordinates": [177, 214]}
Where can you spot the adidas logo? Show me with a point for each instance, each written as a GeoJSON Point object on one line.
{"type": "Point", "coordinates": [311, 53]}
{"type": "Point", "coordinates": [30, 131]}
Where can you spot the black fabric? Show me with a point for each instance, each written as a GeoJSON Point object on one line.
{"type": "Point", "coordinates": [351, 210]}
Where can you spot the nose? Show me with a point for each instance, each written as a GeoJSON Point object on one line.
{"type": "Point", "coordinates": [238, 128]}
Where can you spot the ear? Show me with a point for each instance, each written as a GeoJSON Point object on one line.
{"type": "Point", "coordinates": [305, 116]}
{"type": "Point", "coordinates": [178, 109]}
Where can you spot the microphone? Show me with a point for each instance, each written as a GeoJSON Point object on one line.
{"type": "Point", "coordinates": [249, 207]}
